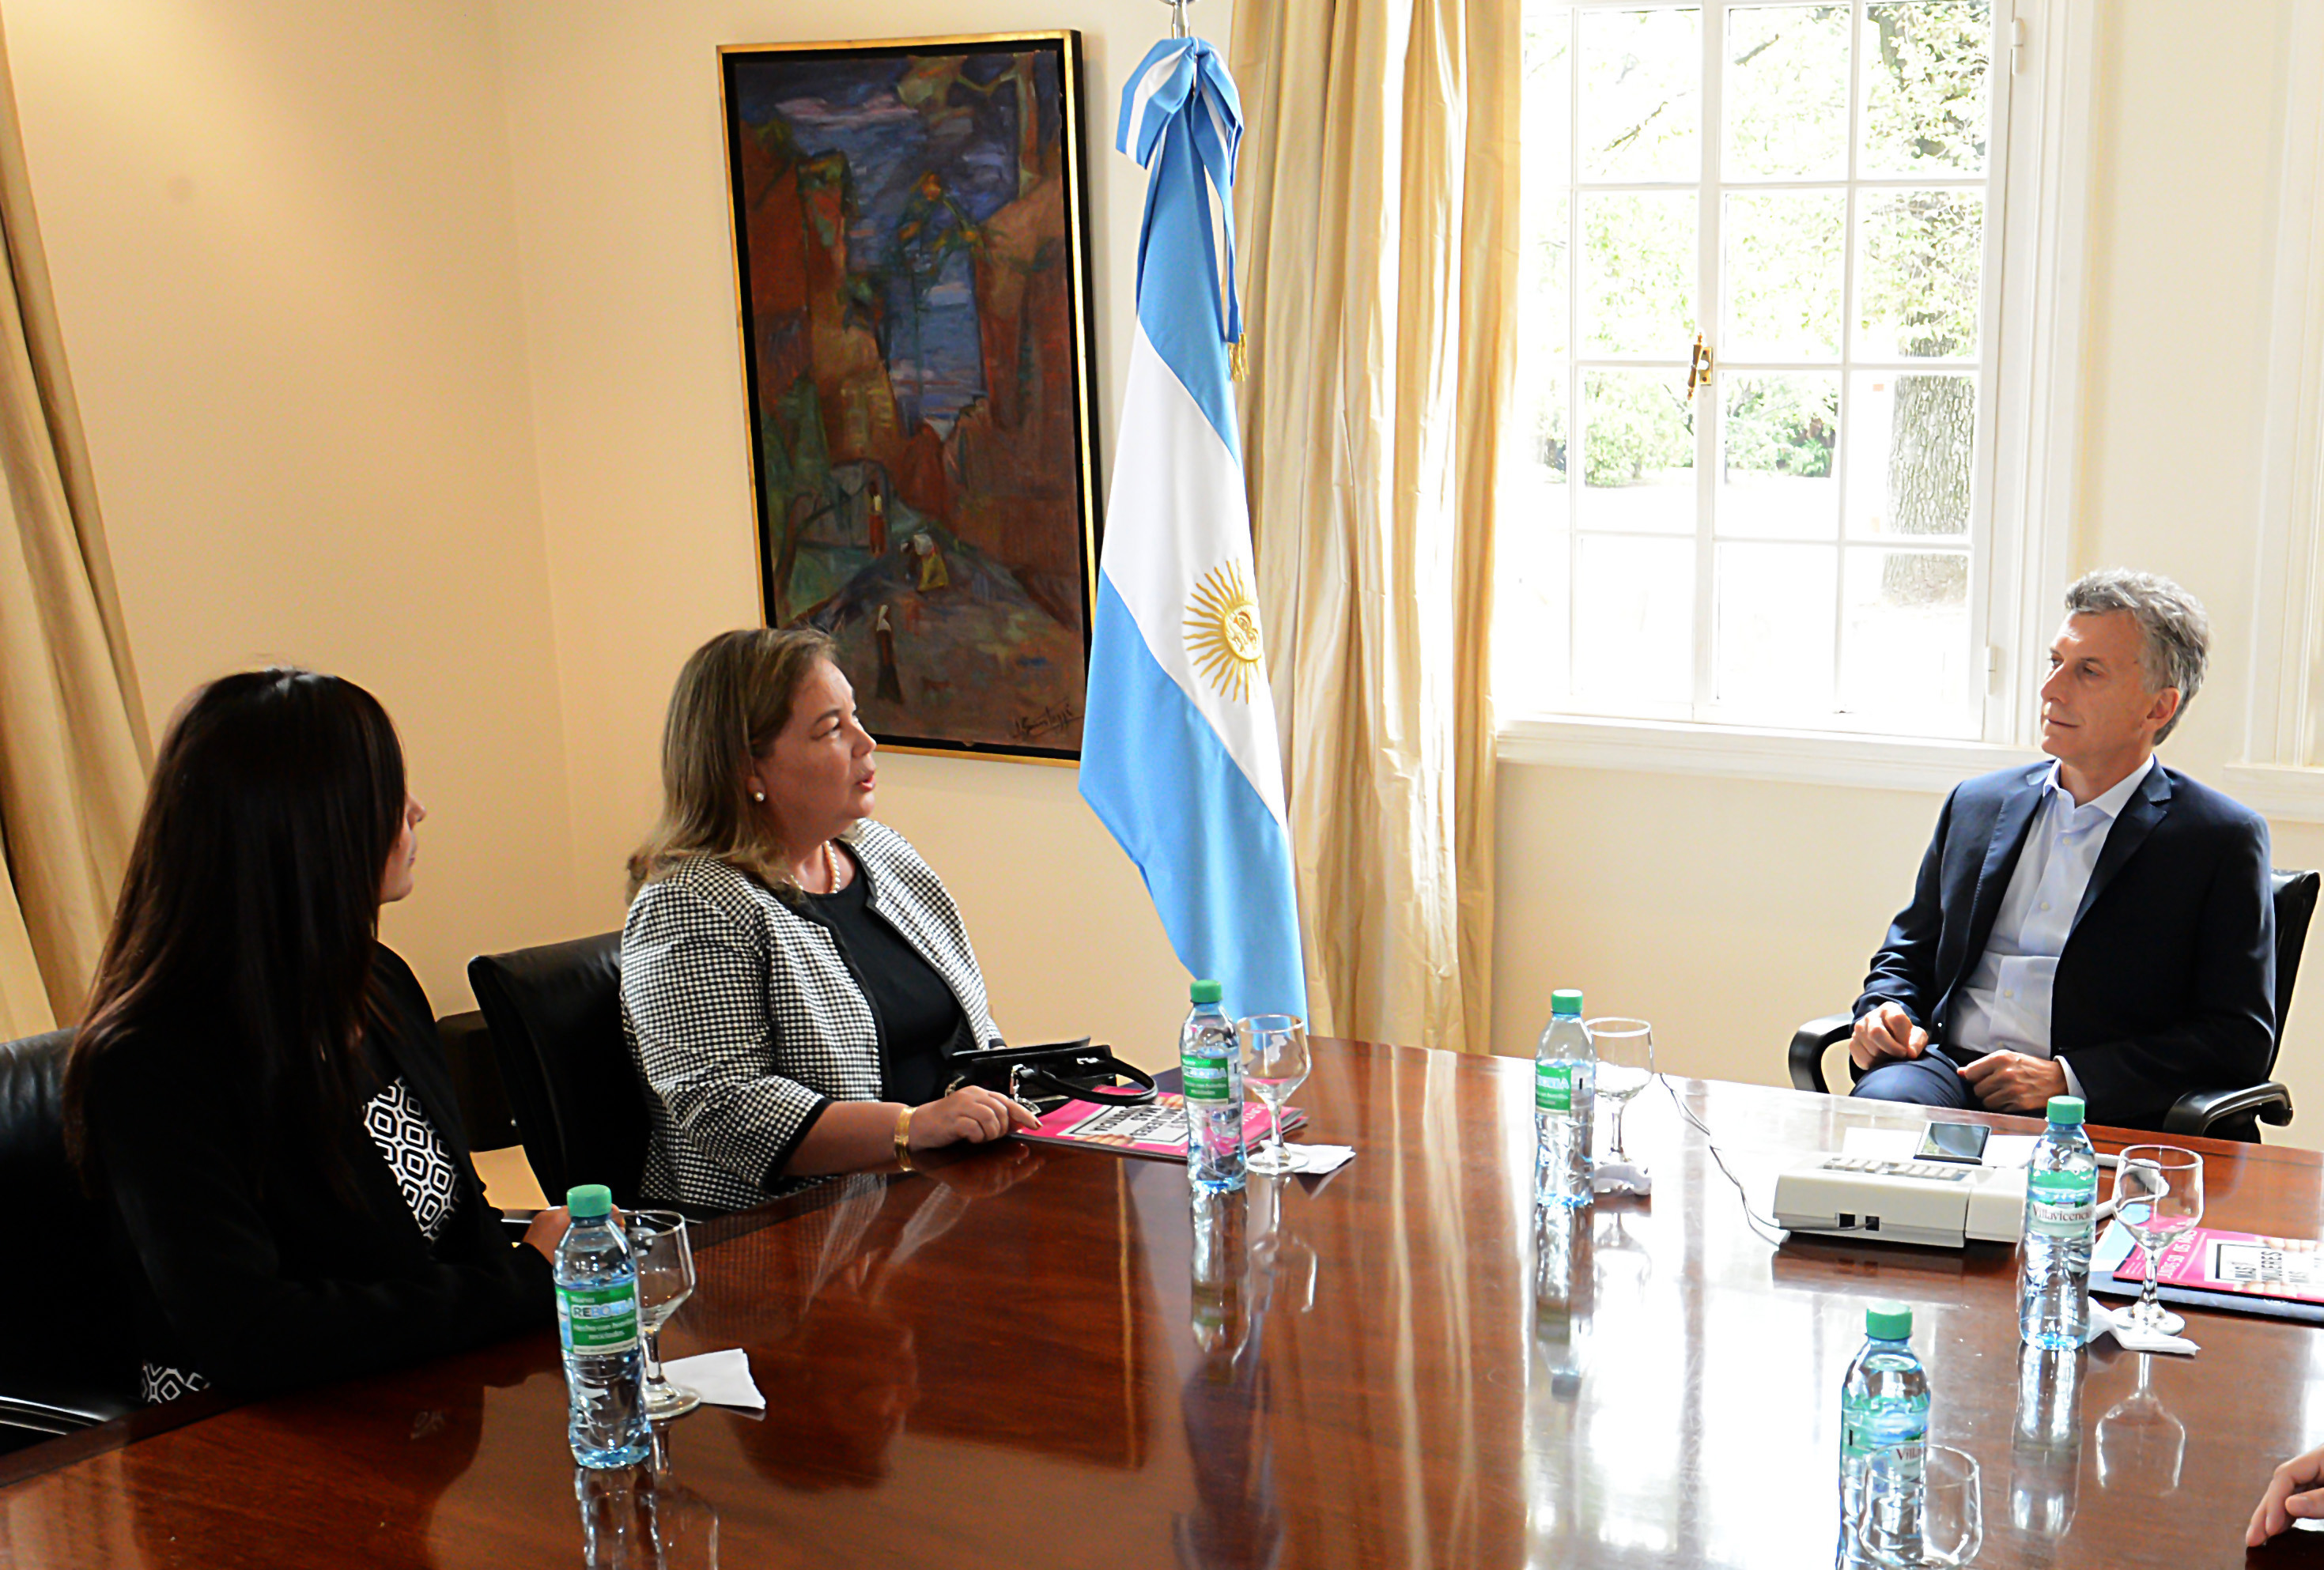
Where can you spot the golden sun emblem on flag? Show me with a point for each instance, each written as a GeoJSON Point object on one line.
{"type": "Point", "coordinates": [1222, 631]}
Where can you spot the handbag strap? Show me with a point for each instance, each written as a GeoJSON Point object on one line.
{"type": "Point", "coordinates": [1098, 1088]}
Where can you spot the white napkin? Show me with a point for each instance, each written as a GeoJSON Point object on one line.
{"type": "Point", "coordinates": [723, 1379]}
{"type": "Point", "coordinates": [1315, 1160]}
{"type": "Point", "coordinates": [2115, 1322]}
{"type": "Point", "coordinates": [1620, 1177]}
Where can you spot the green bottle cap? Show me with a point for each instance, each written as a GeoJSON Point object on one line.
{"type": "Point", "coordinates": [589, 1201]}
{"type": "Point", "coordinates": [1565, 1001]}
{"type": "Point", "coordinates": [2066, 1109]}
{"type": "Point", "coordinates": [1888, 1321]}
{"type": "Point", "coordinates": [1206, 992]}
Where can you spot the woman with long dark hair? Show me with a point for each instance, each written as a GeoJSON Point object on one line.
{"type": "Point", "coordinates": [257, 1094]}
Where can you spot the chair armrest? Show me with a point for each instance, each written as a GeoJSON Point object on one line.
{"type": "Point", "coordinates": [1809, 1044]}
{"type": "Point", "coordinates": [2199, 1111]}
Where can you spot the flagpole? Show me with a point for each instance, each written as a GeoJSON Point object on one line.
{"type": "Point", "coordinates": [1178, 16]}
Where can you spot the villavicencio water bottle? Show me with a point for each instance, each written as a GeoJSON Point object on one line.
{"type": "Point", "coordinates": [597, 1321]}
{"type": "Point", "coordinates": [1210, 1072]}
{"type": "Point", "coordinates": [1884, 1417]}
{"type": "Point", "coordinates": [2061, 1197]}
{"type": "Point", "coordinates": [1565, 1102]}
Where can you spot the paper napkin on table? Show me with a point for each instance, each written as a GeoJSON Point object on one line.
{"type": "Point", "coordinates": [1315, 1160]}
{"type": "Point", "coordinates": [2116, 1322]}
{"type": "Point", "coordinates": [723, 1379]}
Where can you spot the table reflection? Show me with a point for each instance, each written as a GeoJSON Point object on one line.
{"type": "Point", "coordinates": [642, 1517]}
{"type": "Point", "coordinates": [2046, 1450]}
{"type": "Point", "coordinates": [1564, 1282]}
{"type": "Point", "coordinates": [2142, 1446]}
{"type": "Point", "coordinates": [1247, 1262]}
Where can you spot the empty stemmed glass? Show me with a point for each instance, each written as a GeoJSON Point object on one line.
{"type": "Point", "coordinates": [664, 1261]}
{"type": "Point", "coordinates": [1274, 1064]}
{"type": "Point", "coordinates": [2158, 1194]}
{"type": "Point", "coordinates": [1626, 1061]}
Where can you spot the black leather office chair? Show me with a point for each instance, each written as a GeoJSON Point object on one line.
{"type": "Point", "coordinates": [2222, 1114]}
{"type": "Point", "coordinates": [64, 1356]}
{"type": "Point", "coordinates": [555, 1013]}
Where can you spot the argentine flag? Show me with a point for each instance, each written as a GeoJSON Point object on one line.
{"type": "Point", "coordinates": [1179, 757]}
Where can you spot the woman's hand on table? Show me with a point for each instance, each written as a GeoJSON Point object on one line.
{"type": "Point", "coordinates": [971, 1115]}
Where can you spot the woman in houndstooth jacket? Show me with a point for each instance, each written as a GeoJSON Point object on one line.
{"type": "Point", "coordinates": [795, 979]}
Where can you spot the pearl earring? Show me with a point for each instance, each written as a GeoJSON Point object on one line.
{"type": "Point", "coordinates": [759, 796]}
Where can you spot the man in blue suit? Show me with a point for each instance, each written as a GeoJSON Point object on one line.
{"type": "Point", "coordinates": [2099, 925]}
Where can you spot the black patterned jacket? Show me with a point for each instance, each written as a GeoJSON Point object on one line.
{"type": "Point", "coordinates": [746, 1020]}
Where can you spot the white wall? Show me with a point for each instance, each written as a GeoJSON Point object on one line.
{"type": "Point", "coordinates": [1730, 912]}
{"type": "Point", "coordinates": [284, 262]}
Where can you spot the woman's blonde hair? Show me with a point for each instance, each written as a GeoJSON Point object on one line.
{"type": "Point", "coordinates": [732, 698]}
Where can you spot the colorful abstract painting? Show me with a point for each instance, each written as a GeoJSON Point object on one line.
{"type": "Point", "coordinates": [911, 242]}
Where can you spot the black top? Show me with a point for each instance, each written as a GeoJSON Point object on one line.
{"type": "Point", "coordinates": [2167, 980]}
{"type": "Point", "coordinates": [919, 1015]}
{"type": "Point", "coordinates": [241, 1264]}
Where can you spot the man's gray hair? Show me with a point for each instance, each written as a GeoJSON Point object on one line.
{"type": "Point", "coordinates": [2176, 633]}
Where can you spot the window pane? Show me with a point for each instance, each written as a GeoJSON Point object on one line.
{"type": "Point", "coordinates": [1775, 619]}
{"type": "Point", "coordinates": [1634, 620]}
{"type": "Point", "coordinates": [1639, 250]}
{"type": "Point", "coordinates": [1786, 93]}
{"type": "Point", "coordinates": [1784, 273]}
{"type": "Point", "coordinates": [1904, 639]}
{"type": "Point", "coordinates": [1549, 98]}
{"type": "Point", "coordinates": [1637, 452]}
{"type": "Point", "coordinates": [1538, 429]}
{"type": "Point", "coordinates": [1924, 86]}
{"type": "Point", "coordinates": [1918, 264]}
{"type": "Point", "coordinates": [1641, 95]}
{"type": "Point", "coordinates": [1911, 454]}
{"type": "Point", "coordinates": [1531, 622]}
{"type": "Point", "coordinates": [1545, 281]}
{"type": "Point", "coordinates": [1777, 477]}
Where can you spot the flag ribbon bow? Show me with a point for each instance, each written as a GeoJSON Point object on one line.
{"type": "Point", "coordinates": [1184, 103]}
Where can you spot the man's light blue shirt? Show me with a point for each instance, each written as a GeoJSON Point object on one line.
{"type": "Point", "coordinates": [2004, 1004]}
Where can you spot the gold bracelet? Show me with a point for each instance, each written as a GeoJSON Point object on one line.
{"type": "Point", "coordinates": [903, 1139]}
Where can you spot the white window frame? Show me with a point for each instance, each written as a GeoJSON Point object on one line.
{"type": "Point", "coordinates": [2281, 773]}
{"type": "Point", "coordinates": [2043, 67]}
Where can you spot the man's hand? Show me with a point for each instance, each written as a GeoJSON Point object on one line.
{"type": "Point", "coordinates": [2292, 1494]}
{"type": "Point", "coordinates": [2013, 1082]}
{"type": "Point", "coordinates": [1884, 1033]}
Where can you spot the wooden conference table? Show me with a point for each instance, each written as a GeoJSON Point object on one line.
{"type": "Point", "coordinates": [1009, 1363]}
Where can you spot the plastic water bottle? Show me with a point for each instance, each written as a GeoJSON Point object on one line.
{"type": "Point", "coordinates": [1565, 1102]}
{"type": "Point", "coordinates": [2061, 1197]}
{"type": "Point", "coordinates": [597, 1321]}
{"type": "Point", "coordinates": [1211, 1072]}
{"type": "Point", "coordinates": [1884, 1417]}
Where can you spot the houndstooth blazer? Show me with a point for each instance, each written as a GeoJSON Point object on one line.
{"type": "Point", "coordinates": [746, 1020]}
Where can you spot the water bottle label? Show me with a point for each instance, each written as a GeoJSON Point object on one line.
{"type": "Point", "coordinates": [1204, 1076]}
{"type": "Point", "coordinates": [2062, 1204]}
{"type": "Point", "coordinates": [1553, 1087]}
{"type": "Point", "coordinates": [593, 1319]}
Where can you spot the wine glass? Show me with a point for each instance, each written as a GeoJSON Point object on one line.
{"type": "Point", "coordinates": [664, 1261]}
{"type": "Point", "coordinates": [1626, 1061]}
{"type": "Point", "coordinates": [1274, 1064]}
{"type": "Point", "coordinates": [2158, 1194]}
{"type": "Point", "coordinates": [1920, 1511]}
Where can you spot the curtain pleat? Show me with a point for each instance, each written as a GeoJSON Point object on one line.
{"type": "Point", "coordinates": [1378, 193]}
{"type": "Point", "coordinates": [73, 750]}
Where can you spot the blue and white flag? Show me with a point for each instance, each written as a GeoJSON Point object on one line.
{"type": "Point", "coordinates": [1179, 757]}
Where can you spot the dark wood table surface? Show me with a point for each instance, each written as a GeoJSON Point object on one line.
{"type": "Point", "coordinates": [1010, 1364]}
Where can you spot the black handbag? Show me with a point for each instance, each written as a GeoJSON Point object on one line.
{"type": "Point", "coordinates": [1045, 1078]}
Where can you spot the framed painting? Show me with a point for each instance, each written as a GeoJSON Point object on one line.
{"type": "Point", "coordinates": [912, 262]}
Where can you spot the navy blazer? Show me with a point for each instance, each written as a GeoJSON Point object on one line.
{"type": "Point", "coordinates": [2167, 980]}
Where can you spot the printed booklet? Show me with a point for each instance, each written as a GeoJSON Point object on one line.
{"type": "Point", "coordinates": [1156, 1130]}
{"type": "Point", "coordinates": [2238, 1271]}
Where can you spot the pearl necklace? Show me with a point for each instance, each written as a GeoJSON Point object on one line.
{"type": "Point", "coordinates": [831, 868]}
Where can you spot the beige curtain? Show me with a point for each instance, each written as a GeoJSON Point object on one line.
{"type": "Point", "coordinates": [1377, 204]}
{"type": "Point", "coordinates": [73, 750]}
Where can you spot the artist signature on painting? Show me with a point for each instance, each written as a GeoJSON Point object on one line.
{"type": "Point", "coordinates": [1031, 726]}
